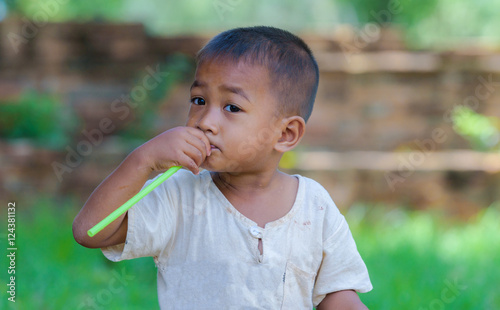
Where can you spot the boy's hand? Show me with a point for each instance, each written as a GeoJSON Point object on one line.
{"type": "Point", "coordinates": [179, 146]}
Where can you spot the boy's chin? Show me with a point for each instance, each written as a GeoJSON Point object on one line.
{"type": "Point", "coordinates": [210, 167]}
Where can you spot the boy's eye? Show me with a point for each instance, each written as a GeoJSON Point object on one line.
{"type": "Point", "coordinates": [198, 101]}
{"type": "Point", "coordinates": [232, 108]}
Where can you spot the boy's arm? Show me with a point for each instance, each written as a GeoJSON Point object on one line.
{"type": "Point", "coordinates": [342, 300]}
{"type": "Point", "coordinates": [180, 146]}
{"type": "Point", "coordinates": [115, 190]}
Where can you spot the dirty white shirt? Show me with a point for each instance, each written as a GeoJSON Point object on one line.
{"type": "Point", "coordinates": [207, 252]}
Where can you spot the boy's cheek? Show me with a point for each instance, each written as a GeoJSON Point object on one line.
{"type": "Point", "coordinates": [247, 150]}
{"type": "Point", "coordinates": [191, 119]}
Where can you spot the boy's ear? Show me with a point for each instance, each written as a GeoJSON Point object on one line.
{"type": "Point", "coordinates": [292, 131]}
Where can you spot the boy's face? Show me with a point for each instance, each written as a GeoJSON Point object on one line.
{"type": "Point", "coordinates": [234, 106]}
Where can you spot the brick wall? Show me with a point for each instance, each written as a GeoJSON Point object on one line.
{"type": "Point", "coordinates": [382, 97]}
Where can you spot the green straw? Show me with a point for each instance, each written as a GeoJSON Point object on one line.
{"type": "Point", "coordinates": [132, 201]}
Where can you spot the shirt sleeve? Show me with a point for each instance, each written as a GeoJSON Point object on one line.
{"type": "Point", "coordinates": [342, 267]}
{"type": "Point", "coordinates": [151, 223]}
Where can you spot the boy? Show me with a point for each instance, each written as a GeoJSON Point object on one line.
{"type": "Point", "coordinates": [240, 234]}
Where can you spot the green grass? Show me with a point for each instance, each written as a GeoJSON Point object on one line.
{"type": "Point", "coordinates": [420, 260]}
{"type": "Point", "coordinates": [416, 260]}
{"type": "Point", "coordinates": [54, 272]}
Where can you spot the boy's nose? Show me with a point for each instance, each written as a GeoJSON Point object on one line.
{"type": "Point", "coordinates": [208, 122]}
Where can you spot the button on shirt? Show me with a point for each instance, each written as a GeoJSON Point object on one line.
{"type": "Point", "coordinates": [207, 252]}
{"type": "Point", "coordinates": [256, 232]}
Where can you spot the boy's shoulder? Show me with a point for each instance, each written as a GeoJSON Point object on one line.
{"type": "Point", "coordinates": [318, 205]}
{"type": "Point", "coordinates": [313, 189]}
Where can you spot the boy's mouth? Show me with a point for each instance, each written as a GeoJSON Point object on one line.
{"type": "Point", "coordinates": [213, 147]}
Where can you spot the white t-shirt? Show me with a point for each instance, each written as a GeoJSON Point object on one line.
{"type": "Point", "coordinates": [207, 252]}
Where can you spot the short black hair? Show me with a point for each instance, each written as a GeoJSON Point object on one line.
{"type": "Point", "coordinates": [292, 68]}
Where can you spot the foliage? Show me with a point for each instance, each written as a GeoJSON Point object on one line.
{"type": "Point", "coordinates": [54, 272]}
{"type": "Point", "coordinates": [68, 9]}
{"type": "Point", "coordinates": [412, 257]}
{"type": "Point", "coordinates": [419, 260]}
{"type": "Point", "coordinates": [427, 23]}
{"type": "Point", "coordinates": [432, 23]}
{"type": "Point", "coordinates": [38, 117]}
{"type": "Point", "coordinates": [458, 23]}
{"type": "Point", "coordinates": [482, 131]}
{"type": "Point", "coordinates": [190, 16]}
{"type": "Point", "coordinates": [404, 12]}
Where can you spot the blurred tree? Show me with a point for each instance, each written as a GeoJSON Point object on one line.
{"type": "Point", "coordinates": [407, 14]}
{"type": "Point", "coordinates": [404, 12]}
{"type": "Point", "coordinates": [12, 5]}
{"type": "Point", "coordinates": [427, 23]}
{"type": "Point", "coordinates": [457, 23]}
{"type": "Point", "coordinates": [68, 9]}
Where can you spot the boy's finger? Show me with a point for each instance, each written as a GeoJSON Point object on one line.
{"type": "Point", "coordinates": [188, 163]}
{"type": "Point", "coordinates": [199, 145]}
{"type": "Point", "coordinates": [201, 135]}
{"type": "Point", "coordinates": [195, 154]}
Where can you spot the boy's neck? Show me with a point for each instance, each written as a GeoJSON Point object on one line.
{"type": "Point", "coordinates": [262, 198]}
{"type": "Point", "coordinates": [247, 184]}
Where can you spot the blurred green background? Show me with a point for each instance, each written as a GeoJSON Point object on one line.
{"type": "Point", "coordinates": [394, 74]}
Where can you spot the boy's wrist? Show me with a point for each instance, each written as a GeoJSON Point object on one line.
{"type": "Point", "coordinates": [139, 161]}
